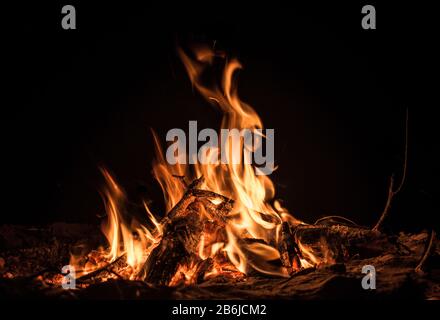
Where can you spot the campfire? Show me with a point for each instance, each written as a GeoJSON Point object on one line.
{"type": "Point", "coordinates": [221, 218]}
{"type": "Point", "coordinates": [223, 225]}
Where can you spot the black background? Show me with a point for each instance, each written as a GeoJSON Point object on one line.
{"type": "Point", "coordinates": [335, 94]}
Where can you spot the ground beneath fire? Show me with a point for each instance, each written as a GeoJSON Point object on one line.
{"type": "Point", "coordinates": [31, 259]}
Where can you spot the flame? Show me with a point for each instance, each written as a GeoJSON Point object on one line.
{"type": "Point", "coordinates": [184, 274]}
{"type": "Point", "coordinates": [253, 216]}
{"type": "Point", "coordinates": [127, 239]}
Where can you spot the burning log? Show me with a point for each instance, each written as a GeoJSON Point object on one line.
{"type": "Point", "coordinates": [397, 272]}
{"type": "Point", "coordinates": [203, 267]}
{"type": "Point", "coordinates": [186, 200]}
{"type": "Point", "coordinates": [183, 229]}
{"type": "Point", "coordinates": [337, 243]}
{"type": "Point", "coordinates": [177, 246]}
{"type": "Point", "coordinates": [289, 251]}
{"type": "Point", "coordinates": [331, 240]}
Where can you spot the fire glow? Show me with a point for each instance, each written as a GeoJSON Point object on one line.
{"type": "Point", "coordinates": [237, 228]}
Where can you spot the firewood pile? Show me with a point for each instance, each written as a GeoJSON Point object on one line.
{"type": "Point", "coordinates": [407, 265]}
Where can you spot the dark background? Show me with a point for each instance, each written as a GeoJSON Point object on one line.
{"type": "Point", "coordinates": [335, 94]}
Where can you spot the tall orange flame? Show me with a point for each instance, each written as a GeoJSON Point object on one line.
{"type": "Point", "coordinates": [253, 215]}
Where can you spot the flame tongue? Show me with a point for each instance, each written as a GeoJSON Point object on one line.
{"type": "Point", "coordinates": [251, 192]}
{"type": "Point", "coordinates": [248, 237]}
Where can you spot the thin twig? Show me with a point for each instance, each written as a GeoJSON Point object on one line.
{"type": "Point", "coordinates": [427, 252]}
{"type": "Point", "coordinates": [405, 162]}
{"type": "Point", "coordinates": [391, 192]}
{"type": "Point", "coordinates": [336, 217]}
{"type": "Point", "coordinates": [387, 205]}
{"type": "Point", "coordinates": [102, 269]}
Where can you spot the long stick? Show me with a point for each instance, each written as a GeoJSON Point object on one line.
{"type": "Point", "coordinates": [391, 192]}
{"type": "Point", "coordinates": [427, 252]}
